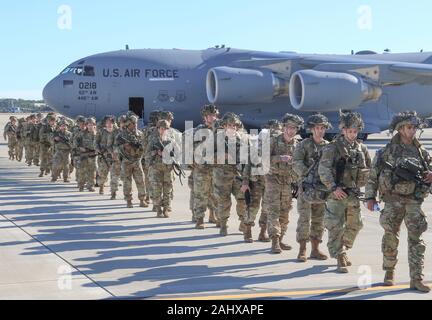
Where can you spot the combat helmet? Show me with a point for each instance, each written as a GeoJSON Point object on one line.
{"type": "Point", "coordinates": [273, 124]}
{"type": "Point", "coordinates": [349, 120]}
{"type": "Point", "coordinates": [316, 120]}
{"type": "Point", "coordinates": [80, 119]}
{"type": "Point", "coordinates": [405, 118]}
{"type": "Point", "coordinates": [163, 124]}
{"type": "Point", "coordinates": [12, 118]}
{"type": "Point", "coordinates": [90, 121]}
{"type": "Point", "coordinates": [293, 120]}
{"type": "Point", "coordinates": [209, 109]}
{"type": "Point", "coordinates": [131, 119]}
{"type": "Point", "coordinates": [154, 117]}
{"type": "Point", "coordinates": [231, 118]}
{"type": "Point", "coordinates": [166, 115]}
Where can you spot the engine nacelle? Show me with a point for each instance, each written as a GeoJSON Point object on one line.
{"type": "Point", "coordinates": [226, 85]}
{"type": "Point", "coordinates": [312, 90]}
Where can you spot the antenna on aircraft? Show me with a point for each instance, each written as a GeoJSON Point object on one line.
{"type": "Point", "coordinates": [387, 50]}
{"type": "Point", "coordinates": [127, 47]}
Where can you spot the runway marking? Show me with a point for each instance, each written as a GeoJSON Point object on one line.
{"type": "Point", "coordinates": [291, 293]}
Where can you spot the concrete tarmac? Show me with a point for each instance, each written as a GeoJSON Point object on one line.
{"type": "Point", "coordinates": [57, 243]}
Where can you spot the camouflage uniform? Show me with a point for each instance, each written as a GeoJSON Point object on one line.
{"type": "Point", "coordinates": [202, 191]}
{"type": "Point", "coordinates": [403, 200]}
{"type": "Point", "coordinates": [106, 164]}
{"type": "Point", "coordinates": [20, 140]}
{"type": "Point", "coordinates": [63, 147]}
{"type": "Point", "coordinates": [87, 159]}
{"type": "Point", "coordinates": [160, 174]}
{"type": "Point", "coordinates": [129, 145]}
{"type": "Point", "coordinates": [278, 185]}
{"type": "Point", "coordinates": [343, 217]}
{"type": "Point", "coordinates": [227, 177]}
{"type": "Point", "coordinates": [76, 131]}
{"type": "Point", "coordinates": [310, 225]}
{"type": "Point", "coordinates": [45, 135]}
{"type": "Point", "coordinates": [36, 140]}
{"type": "Point", "coordinates": [10, 134]}
{"type": "Point", "coordinates": [30, 131]}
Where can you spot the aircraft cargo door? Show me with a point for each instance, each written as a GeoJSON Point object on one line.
{"type": "Point", "coordinates": [136, 105]}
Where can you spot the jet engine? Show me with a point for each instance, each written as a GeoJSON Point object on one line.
{"type": "Point", "coordinates": [312, 90]}
{"type": "Point", "coordinates": [226, 85]}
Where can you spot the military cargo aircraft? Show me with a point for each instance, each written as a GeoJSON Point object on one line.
{"type": "Point", "coordinates": [256, 85]}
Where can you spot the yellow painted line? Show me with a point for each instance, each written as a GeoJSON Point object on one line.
{"type": "Point", "coordinates": [289, 293]}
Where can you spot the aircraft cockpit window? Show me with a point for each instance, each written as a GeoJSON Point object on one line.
{"type": "Point", "coordinates": [89, 71]}
{"type": "Point", "coordinates": [75, 70]}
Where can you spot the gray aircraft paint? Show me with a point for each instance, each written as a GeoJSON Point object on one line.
{"type": "Point", "coordinates": [176, 80]}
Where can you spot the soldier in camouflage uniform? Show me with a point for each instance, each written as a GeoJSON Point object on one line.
{"type": "Point", "coordinates": [45, 135]}
{"type": "Point", "coordinates": [202, 173]}
{"type": "Point", "coordinates": [255, 184]}
{"type": "Point", "coordinates": [30, 131]}
{"type": "Point", "coordinates": [63, 146]}
{"type": "Point", "coordinates": [161, 174]}
{"type": "Point", "coordinates": [310, 225]}
{"type": "Point", "coordinates": [105, 144]}
{"type": "Point", "coordinates": [278, 183]}
{"type": "Point", "coordinates": [20, 140]}
{"type": "Point", "coordinates": [147, 131]}
{"type": "Point", "coordinates": [10, 134]}
{"type": "Point", "coordinates": [403, 198]}
{"type": "Point", "coordinates": [129, 145]}
{"type": "Point", "coordinates": [76, 131]}
{"type": "Point", "coordinates": [36, 139]}
{"type": "Point", "coordinates": [86, 146]}
{"type": "Point", "coordinates": [343, 169]}
{"type": "Point", "coordinates": [226, 173]}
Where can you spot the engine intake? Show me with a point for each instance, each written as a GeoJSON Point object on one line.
{"type": "Point", "coordinates": [226, 85]}
{"type": "Point", "coordinates": [312, 90]}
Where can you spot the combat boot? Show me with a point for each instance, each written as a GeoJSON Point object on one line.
{"type": "Point", "coordinates": [81, 189]}
{"type": "Point", "coordinates": [223, 229]}
{"type": "Point", "coordinates": [341, 264]}
{"type": "Point", "coordinates": [167, 212]}
{"type": "Point", "coordinates": [212, 217]}
{"type": "Point", "coordinates": [47, 172]}
{"type": "Point", "coordinates": [248, 234]}
{"type": "Point", "coordinates": [389, 278]}
{"type": "Point", "coordinates": [218, 224]}
{"type": "Point", "coordinates": [91, 189]}
{"type": "Point", "coordinates": [417, 284]}
{"type": "Point", "coordinates": [263, 235]}
{"type": "Point", "coordinates": [200, 224]}
{"type": "Point", "coordinates": [302, 252]}
{"type": "Point", "coordinates": [101, 190]}
{"type": "Point", "coordinates": [242, 227]}
{"type": "Point", "coordinates": [41, 174]}
{"type": "Point", "coordinates": [66, 180]}
{"type": "Point", "coordinates": [348, 262]}
{"type": "Point", "coordinates": [317, 254]}
{"type": "Point", "coordinates": [113, 195]}
{"type": "Point", "coordinates": [276, 249]}
{"type": "Point", "coordinates": [284, 246]}
{"type": "Point", "coordinates": [154, 209]}
{"type": "Point", "coordinates": [147, 199]}
{"type": "Point", "coordinates": [143, 204]}
{"type": "Point", "coordinates": [159, 212]}
{"type": "Point", "coordinates": [53, 179]}
{"type": "Point", "coordinates": [129, 204]}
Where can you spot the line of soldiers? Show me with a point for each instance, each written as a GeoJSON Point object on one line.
{"type": "Point", "coordinates": [325, 177]}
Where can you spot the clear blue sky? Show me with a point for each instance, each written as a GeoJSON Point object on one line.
{"type": "Point", "coordinates": [34, 49]}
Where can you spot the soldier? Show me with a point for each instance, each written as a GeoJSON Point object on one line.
{"type": "Point", "coordinates": [105, 139]}
{"type": "Point", "coordinates": [403, 196]}
{"type": "Point", "coordinates": [310, 225]}
{"type": "Point", "coordinates": [29, 132]}
{"type": "Point", "coordinates": [76, 131]}
{"type": "Point", "coordinates": [63, 146]}
{"type": "Point", "coordinates": [20, 140]}
{"type": "Point", "coordinates": [129, 146]}
{"type": "Point", "coordinates": [343, 169]}
{"type": "Point", "coordinates": [255, 184]}
{"type": "Point", "coordinates": [147, 132]}
{"type": "Point", "coordinates": [278, 183]}
{"type": "Point", "coordinates": [86, 146]}
{"type": "Point", "coordinates": [45, 134]}
{"type": "Point", "coordinates": [226, 174]}
{"type": "Point", "coordinates": [10, 134]}
{"type": "Point", "coordinates": [161, 174]}
{"type": "Point", "coordinates": [202, 173]}
{"type": "Point", "coordinates": [35, 139]}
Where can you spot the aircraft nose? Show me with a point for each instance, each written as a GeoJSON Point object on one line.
{"type": "Point", "coordinates": [52, 94]}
